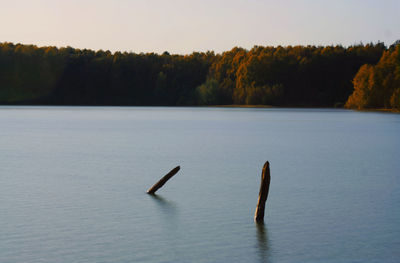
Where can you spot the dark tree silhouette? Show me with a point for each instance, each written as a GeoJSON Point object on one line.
{"type": "Point", "coordinates": [282, 76]}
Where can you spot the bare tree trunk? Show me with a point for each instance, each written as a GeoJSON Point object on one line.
{"type": "Point", "coordinates": [263, 195]}
{"type": "Point", "coordinates": [163, 180]}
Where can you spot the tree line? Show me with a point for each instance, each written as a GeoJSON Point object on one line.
{"type": "Point", "coordinates": [280, 76]}
{"type": "Point", "coordinates": [378, 86]}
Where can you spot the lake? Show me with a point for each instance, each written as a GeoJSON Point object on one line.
{"type": "Point", "coordinates": [73, 184]}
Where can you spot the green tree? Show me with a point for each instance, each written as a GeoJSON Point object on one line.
{"type": "Point", "coordinates": [207, 93]}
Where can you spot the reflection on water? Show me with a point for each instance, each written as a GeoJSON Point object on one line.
{"type": "Point", "coordinates": [169, 213]}
{"type": "Point", "coordinates": [166, 206]}
{"type": "Point", "coordinates": [170, 224]}
{"type": "Point", "coordinates": [263, 242]}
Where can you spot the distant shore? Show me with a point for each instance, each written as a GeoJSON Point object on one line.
{"type": "Point", "coordinates": [270, 106]}
{"type": "Point", "coordinates": [211, 106]}
{"type": "Point", "coordinates": [243, 106]}
{"type": "Point", "coordinates": [381, 110]}
{"type": "Point", "coordinates": [302, 107]}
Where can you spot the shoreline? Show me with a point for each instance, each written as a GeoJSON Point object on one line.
{"type": "Point", "coordinates": [380, 110]}
{"type": "Point", "coordinates": [210, 106]}
{"type": "Point", "coordinates": [268, 106]}
{"type": "Point", "coordinates": [303, 107]}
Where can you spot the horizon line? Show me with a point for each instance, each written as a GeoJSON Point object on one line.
{"type": "Point", "coordinates": [194, 51]}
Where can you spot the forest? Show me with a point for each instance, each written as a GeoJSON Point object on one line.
{"type": "Point", "coordinates": [378, 86]}
{"type": "Point", "coordinates": [358, 76]}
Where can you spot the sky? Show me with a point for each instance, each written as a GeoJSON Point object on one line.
{"type": "Point", "coordinates": [184, 26]}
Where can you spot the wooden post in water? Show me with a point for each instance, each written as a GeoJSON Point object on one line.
{"type": "Point", "coordinates": [263, 195]}
{"type": "Point", "coordinates": [163, 180]}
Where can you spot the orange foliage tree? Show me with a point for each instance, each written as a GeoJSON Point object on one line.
{"type": "Point", "coordinates": [378, 86]}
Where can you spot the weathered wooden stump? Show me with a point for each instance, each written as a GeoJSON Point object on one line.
{"type": "Point", "coordinates": [163, 180]}
{"type": "Point", "coordinates": [263, 195]}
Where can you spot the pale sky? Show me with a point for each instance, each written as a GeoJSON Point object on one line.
{"type": "Point", "coordinates": [184, 26]}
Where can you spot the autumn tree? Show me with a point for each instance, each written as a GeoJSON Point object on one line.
{"type": "Point", "coordinates": [378, 86]}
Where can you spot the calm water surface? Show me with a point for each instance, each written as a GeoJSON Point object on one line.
{"type": "Point", "coordinates": [73, 184]}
